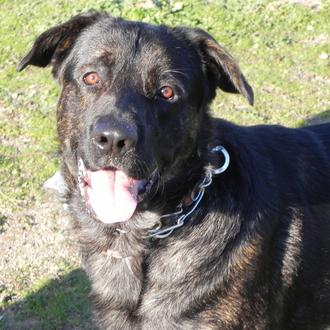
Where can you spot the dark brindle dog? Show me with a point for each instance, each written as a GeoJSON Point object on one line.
{"type": "Point", "coordinates": [250, 248]}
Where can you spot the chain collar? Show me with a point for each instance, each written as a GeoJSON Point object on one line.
{"type": "Point", "coordinates": [179, 214]}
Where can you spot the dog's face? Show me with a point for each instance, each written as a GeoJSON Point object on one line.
{"type": "Point", "coordinates": [133, 100]}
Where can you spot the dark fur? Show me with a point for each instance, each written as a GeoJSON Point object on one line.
{"type": "Point", "coordinates": [256, 253]}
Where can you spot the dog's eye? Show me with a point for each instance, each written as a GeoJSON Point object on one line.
{"type": "Point", "coordinates": [91, 78]}
{"type": "Point", "coordinates": [166, 92]}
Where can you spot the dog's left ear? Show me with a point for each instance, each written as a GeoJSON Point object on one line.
{"type": "Point", "coordinates": [220, 65]}
{"type": "Point", "coordinates": [53, 45]}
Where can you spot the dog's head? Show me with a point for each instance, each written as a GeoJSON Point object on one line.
{"type": "Point", "coordinates": [134, 97]}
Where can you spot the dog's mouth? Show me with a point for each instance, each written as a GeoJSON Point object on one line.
{"type": "Point", "coordinates": [111, 195]}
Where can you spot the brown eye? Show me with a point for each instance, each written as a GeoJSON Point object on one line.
{"type": "Point", "coordinates": [91, 78]}
{"type": "Point", "coordinates": [167, 92]}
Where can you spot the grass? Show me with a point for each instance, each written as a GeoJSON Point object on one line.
{"type": "Point", "coordinates": [282, 47]}
{"type": "Point", "coordinates": [54, 304]}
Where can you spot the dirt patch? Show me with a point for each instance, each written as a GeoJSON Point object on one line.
{"type": "Point", "coordinates": [35, 243]}
{"type": "Point", "coordinates": [321, 118]}
{"type": "Point", "coordinates": [311, 4]}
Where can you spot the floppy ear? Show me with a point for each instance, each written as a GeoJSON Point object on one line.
{"type": "Point", "coordinates": [53, 45]}
{"type": "Point", "coordinates": [220, 65]}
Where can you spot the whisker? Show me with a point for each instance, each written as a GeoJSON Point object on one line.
{"type": "Point", "coordinates": [176, 71]}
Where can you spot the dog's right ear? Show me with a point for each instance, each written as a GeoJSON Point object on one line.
{"type": "Point", "coordinates": [53, 45]}
{"type": "Point", "coordinates": [221, 67]}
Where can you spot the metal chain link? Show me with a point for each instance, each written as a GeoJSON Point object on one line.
{"type": "Point", "coordinates": [207, 181]}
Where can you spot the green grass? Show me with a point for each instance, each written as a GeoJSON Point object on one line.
{"type": "Point", "coordinates": [279, 46]}
{"type": "Point", "coordinates": [272, 40]}
{"type": "Point", "coordinates": [53, 304]}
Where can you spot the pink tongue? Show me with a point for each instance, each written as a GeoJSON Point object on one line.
{"type": "Point", "coordinates": [112, 195]}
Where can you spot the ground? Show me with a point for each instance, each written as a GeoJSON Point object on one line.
{"type": "Point", "coordinates": [283, 48]}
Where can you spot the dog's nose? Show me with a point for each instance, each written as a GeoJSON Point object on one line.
{"type": "Point", "coordinates": [113, 136]}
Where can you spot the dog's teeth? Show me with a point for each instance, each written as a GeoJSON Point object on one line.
{"type": "Point", "coordinates": [82, 176]}
{"type": "Point", "coordinates": [81, 168]}
{"type": "Point", "coordinates": [81, 165]}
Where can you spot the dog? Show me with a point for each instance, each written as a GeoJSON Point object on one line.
{"type": "Point", "coordinates": [184, 221]}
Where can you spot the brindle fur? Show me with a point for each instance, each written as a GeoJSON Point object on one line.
{"type": "Point", "coordinates": [255, 255]}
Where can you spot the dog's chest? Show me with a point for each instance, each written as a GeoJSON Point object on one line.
{"type": "Point", "coordinates": [170, 284]}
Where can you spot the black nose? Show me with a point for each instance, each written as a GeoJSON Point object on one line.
{"type": "Point", "coordinates": [113, 136]}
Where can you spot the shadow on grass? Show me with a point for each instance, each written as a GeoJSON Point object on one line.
{"type": "Point", "coordinates": [59, 304]}
{"type": "Point", "coordinates": [322, 117]}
